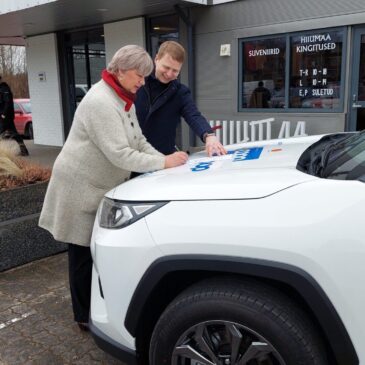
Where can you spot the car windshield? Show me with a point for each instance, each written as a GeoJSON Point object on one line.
{"type": "Point", "coordinates": [338, 156]}
{"type": "Point", "coordinates": [26, 106]}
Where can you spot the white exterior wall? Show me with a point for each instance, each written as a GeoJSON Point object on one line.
{"type": "Point", "coordinates": [45, 95]}
{"type": "Point", "coordinates": [119, 34]}
{"type": "Point", "coordinates": [7, 6]}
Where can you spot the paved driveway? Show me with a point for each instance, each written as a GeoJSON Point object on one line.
{"type": "Point", "coordinates": [43, 155]}
{"type": "Point", "coordinates": [36, 325]}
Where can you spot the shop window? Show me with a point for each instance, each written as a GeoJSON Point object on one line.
{"type": "Point", "coordinates": [295, 71]}
{"type": "Point", "coordinates": [263, 83]}
{"type": "Point", "coordinates": [315, 75]}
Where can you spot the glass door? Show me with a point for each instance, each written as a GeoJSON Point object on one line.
{"type": "Point", "coordinates": [87, 55]}
{"type": "Point", "coordinates": [84, 55]}
{"type": "Point", "coordinates": [161, 29]}
{"type": "Point", "coordinates": [357, 102]}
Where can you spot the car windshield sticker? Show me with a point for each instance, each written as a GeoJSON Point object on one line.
{"type": "Point", "coordinates": [241, 154]}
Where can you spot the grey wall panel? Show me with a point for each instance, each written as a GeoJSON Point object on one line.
{"type": "Point", "coordinates": [319, 123]}
{"type": "Point", "coordinates": [214, 78]}
{"type": "Point", "coordinates": [253, 13]}
{"type": "Point", "coordinates": [218, 109]}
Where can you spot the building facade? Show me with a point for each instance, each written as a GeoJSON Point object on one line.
{"type": "Point", "coordinates": [308, 57]}
{"type": "Point", "coordinates": [247, 59]}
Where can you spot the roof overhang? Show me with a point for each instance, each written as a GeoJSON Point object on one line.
{"type": "Point", "coordinates": [18, 21]}
{"type": "Point", "coordinates": [210, 2]}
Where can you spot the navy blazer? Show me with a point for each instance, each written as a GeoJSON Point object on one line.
{"type": "Point", "coordinates": [160, 120]}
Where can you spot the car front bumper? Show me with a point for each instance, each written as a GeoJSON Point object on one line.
{"type": "Point", "coordinates": [112, 347]}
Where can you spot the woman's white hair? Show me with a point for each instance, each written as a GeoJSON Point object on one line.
{"type": "Point", "coordinates": [131, 57]}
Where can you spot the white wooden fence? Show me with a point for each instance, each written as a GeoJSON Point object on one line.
{"type": "Point", "coordinates": [229, 132]}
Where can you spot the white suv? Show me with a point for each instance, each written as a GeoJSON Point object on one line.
{"type": "Point", "coordinates": [256, 258]}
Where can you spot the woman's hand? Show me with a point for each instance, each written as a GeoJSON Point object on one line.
{"type": "Point", "coordinates": [175, 159]}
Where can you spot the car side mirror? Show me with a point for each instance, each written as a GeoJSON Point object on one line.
{"type": "Point", "coordinates": [19, 112]}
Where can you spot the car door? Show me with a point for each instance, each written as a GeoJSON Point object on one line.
{"type": "Point", "coordinates": [19, 118]}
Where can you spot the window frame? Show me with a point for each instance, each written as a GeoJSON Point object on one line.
{"type": "Point", "coordinates": [288, 37]}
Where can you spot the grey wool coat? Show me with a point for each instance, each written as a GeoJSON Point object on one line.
{"type": "Point", "coordinates": [105, 143]}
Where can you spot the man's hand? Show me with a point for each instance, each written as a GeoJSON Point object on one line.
{"type": "Point", "coordinates": [214, 147]}
{"type": "Point", "coordinates": [175, 159]}
{"type": "Point", "coordinates": [3, 116]}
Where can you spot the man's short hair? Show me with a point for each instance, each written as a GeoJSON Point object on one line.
{"type": "Point", "coordinates": [173, 49]}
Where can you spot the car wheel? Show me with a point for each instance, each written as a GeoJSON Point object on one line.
{"type": "Point", "coordinates": [29, 131]}
{"type": "Point", "coordinates": [226, 322]}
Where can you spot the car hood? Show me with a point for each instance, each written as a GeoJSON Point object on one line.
{"type": "Point", "coordinates": [250, 170]}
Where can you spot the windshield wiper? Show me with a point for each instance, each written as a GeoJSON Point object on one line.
{"type": "Point", "coordinates": [339, 153]}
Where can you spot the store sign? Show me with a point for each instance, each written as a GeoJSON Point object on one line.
{"type": "Point", "coordinates": [316, 65]}
{"type": "Point", "coordinates": [263, 52]}
{"type": "Point", "coordinates": [315, 43]}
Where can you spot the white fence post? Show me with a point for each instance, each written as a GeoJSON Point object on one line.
{"type": "Point", "coordinates": [238, 131]}
{"type": "Point", "coordinates": [253, 131]}
{"type": "Point", "coordinates": [225, 132]}
{"type": "Point", "coordinates": [268, 129]}
{"type": "Point", "coordinates": [260, 124]}
{"type": "Point", "coordinates": [219, 131]}
{"type": "Point", "coordinates": [231, 132]}
{"type": "Point", "coordinates": [245, 131]}
{"type": "Point", "coordinates": [300, 129]}
{"type": "Point", "coordinates": [284, 130]}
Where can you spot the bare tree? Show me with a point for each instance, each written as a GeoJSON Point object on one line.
{"type": "Point", "coordinates": [13, 69]}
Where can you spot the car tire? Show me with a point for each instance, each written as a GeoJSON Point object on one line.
{"type": "Point", "coordinates": [220, 321]}
{"type": "Point", "coordinates": [29, 130]}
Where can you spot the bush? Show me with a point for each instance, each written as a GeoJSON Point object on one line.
{"type": "Point", "coordinates": [16, 172]}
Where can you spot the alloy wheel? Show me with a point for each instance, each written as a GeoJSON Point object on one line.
{"type": "Point", "coordinates": [224, 343]}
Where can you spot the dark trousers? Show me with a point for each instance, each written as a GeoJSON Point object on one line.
{"type": "Point", "coordinates": [80, 268]}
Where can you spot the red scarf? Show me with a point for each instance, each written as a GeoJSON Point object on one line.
{"type": "Point", "coordinates": [125, 95]}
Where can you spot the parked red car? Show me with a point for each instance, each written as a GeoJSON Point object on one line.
{"type": "Point", "coordinates": [23, 117]}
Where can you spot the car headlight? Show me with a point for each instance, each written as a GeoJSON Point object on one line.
{"type": "Point", "coordinates": [118, 214]}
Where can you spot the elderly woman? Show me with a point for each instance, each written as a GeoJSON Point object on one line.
{"type": "Point", "coordinates": [105, 143]}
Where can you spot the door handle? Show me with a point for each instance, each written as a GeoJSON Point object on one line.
{"type": "Point", "coordinates": [354, 105]}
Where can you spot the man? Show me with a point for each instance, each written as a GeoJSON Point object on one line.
{"type": "Point", "coordinates": [260, 97]}
{"type": "Point", "coordinates": [7, 126]}
{"type": "Point", "coordinates": [163, 100]}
